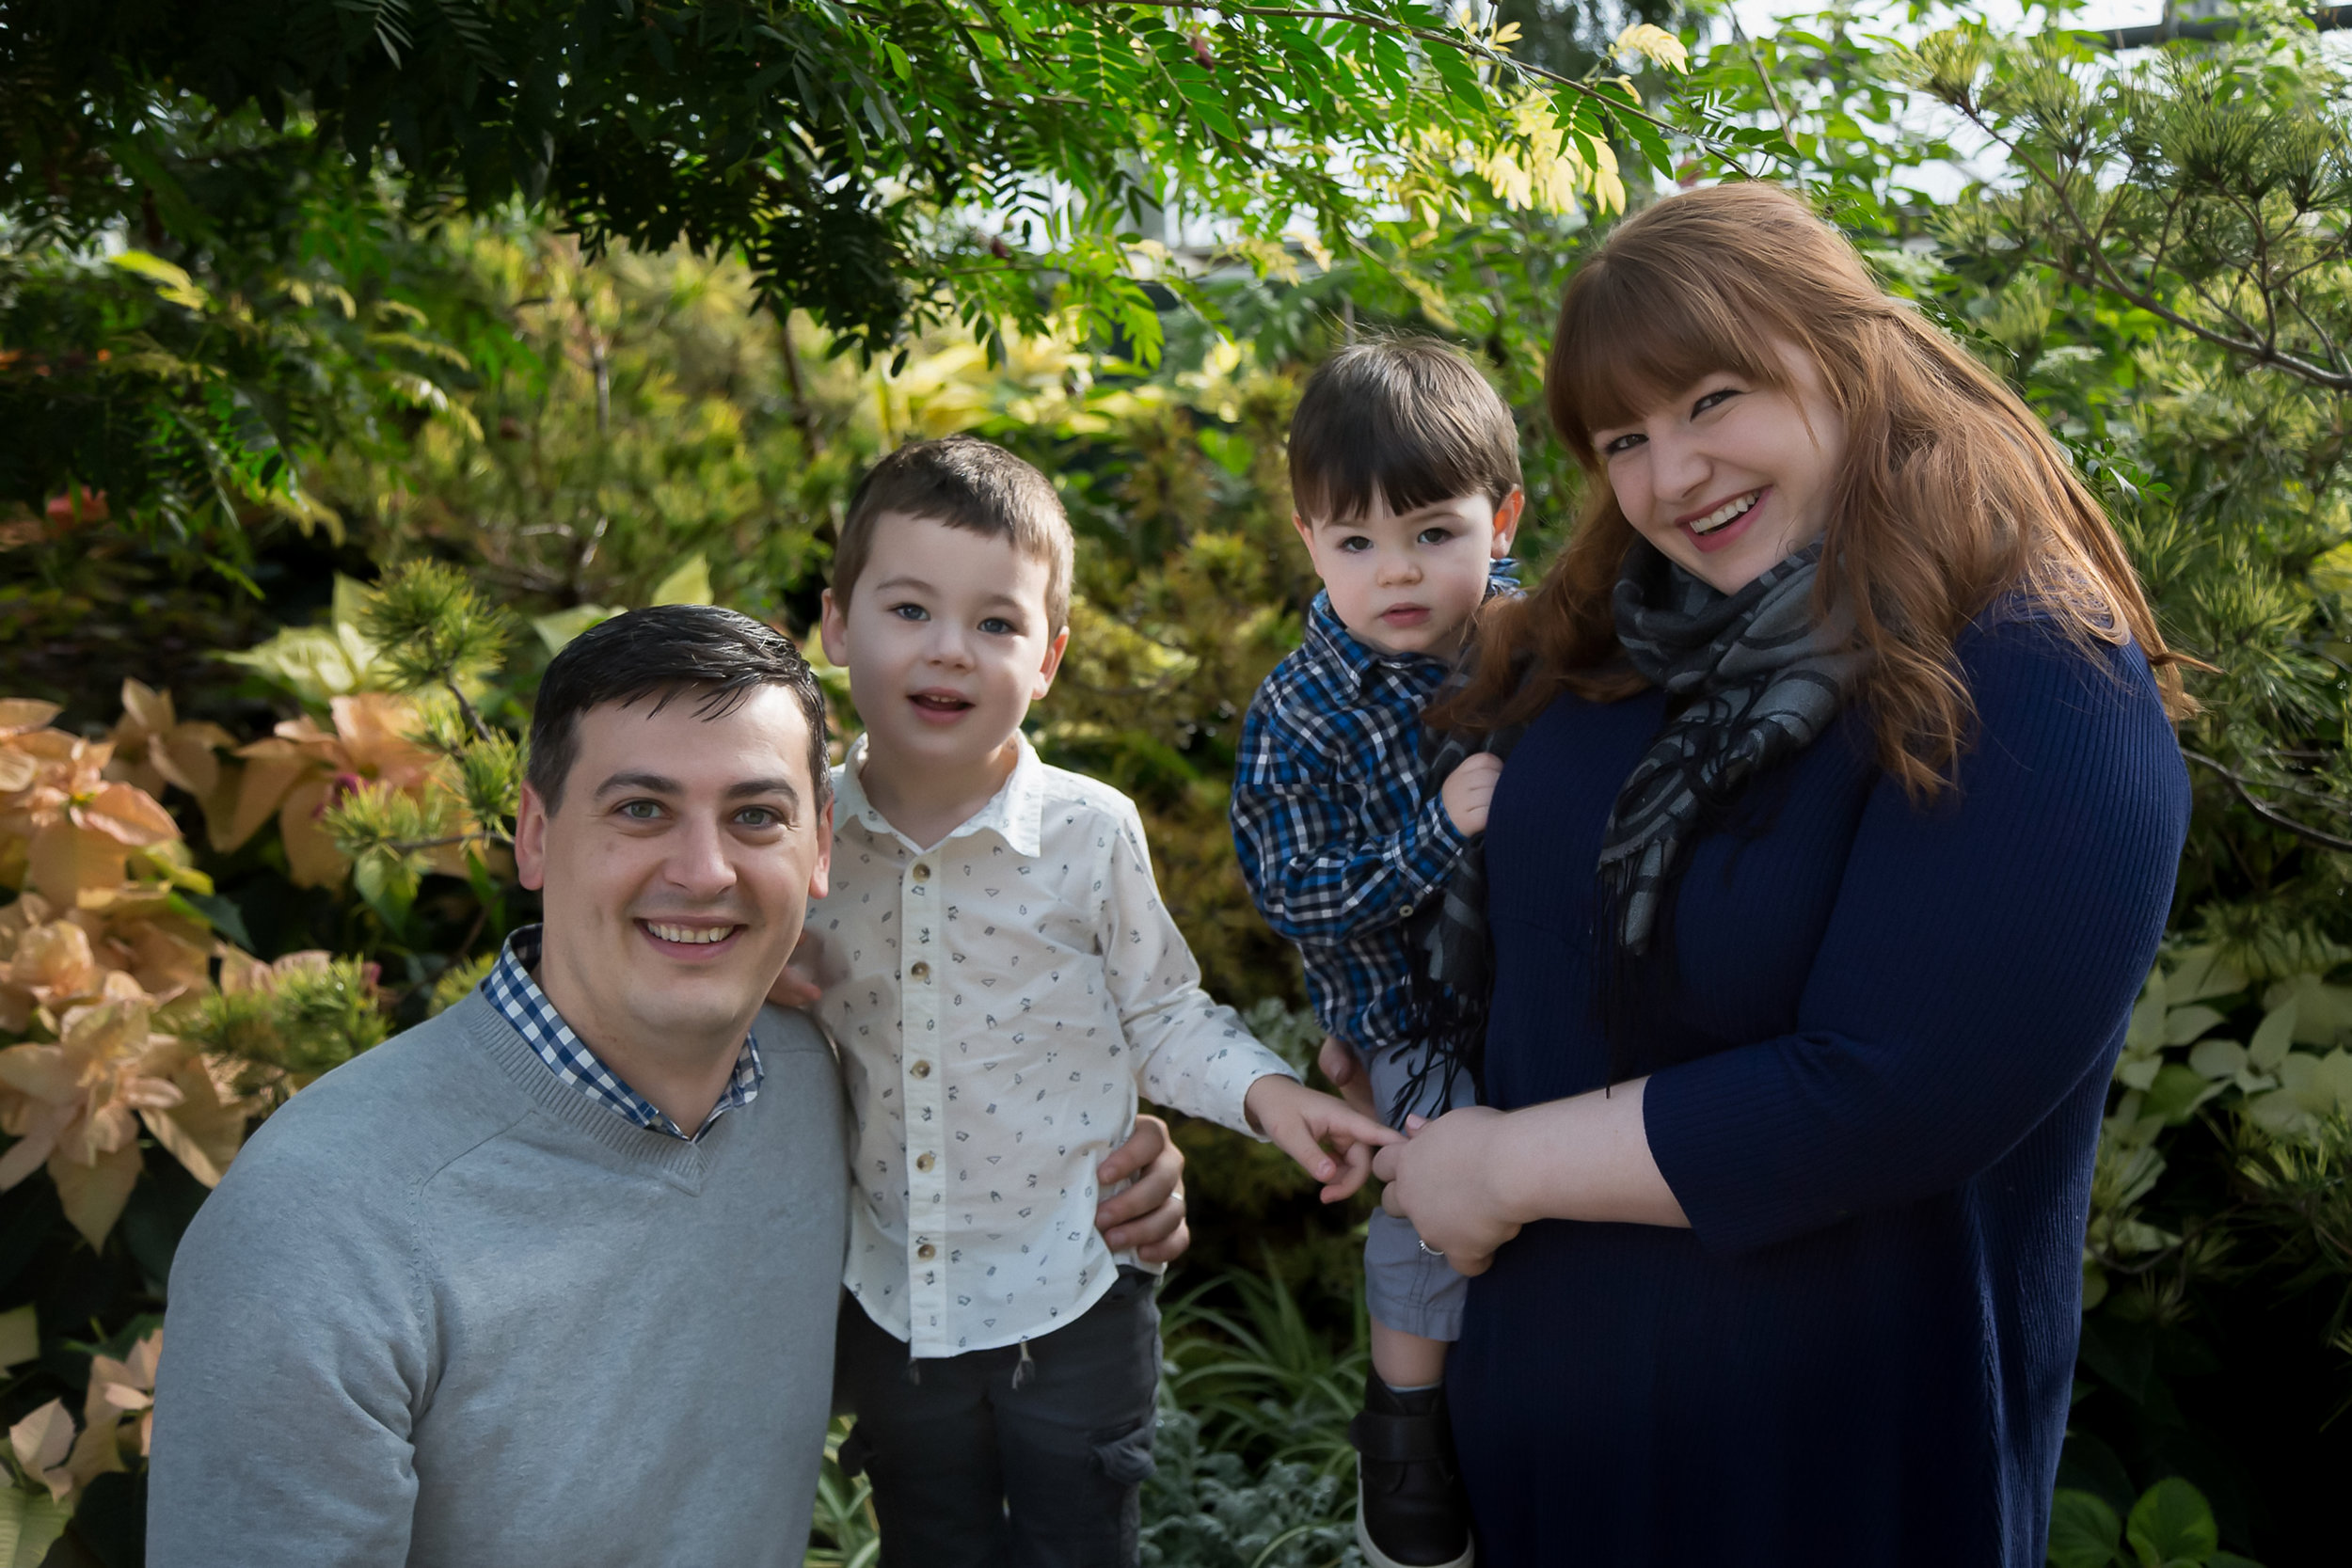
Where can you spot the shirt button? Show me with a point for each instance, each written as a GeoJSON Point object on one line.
{"type": "Point", "coordinates": [922, 872]}
{"type": "Point", "coordinates": [920, 970]}
{"type": "Point", "coordinates": [921, 1069]}
{"type": "Point", "coordinates": [926, 1252]}
{"type": "Point", "coordinates": [924, 1162]}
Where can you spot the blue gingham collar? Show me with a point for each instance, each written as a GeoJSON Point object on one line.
{"type": "Point", "coordinates": [510, 989]}
{"type": "Point", "coordinates": [1331, 643]}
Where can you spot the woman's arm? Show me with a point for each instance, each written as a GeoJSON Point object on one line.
{"type": "Point", "coordinates": [1982, 957]}
{"type": "Point", "coordinates": [1470, 1179]}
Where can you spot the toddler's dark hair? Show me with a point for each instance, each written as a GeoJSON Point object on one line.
{"type": "Point", "coordinates": [969, 484]}
{"type": "Point", "coordinates": [1407, 418]}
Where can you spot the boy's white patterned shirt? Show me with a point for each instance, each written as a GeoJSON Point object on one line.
{"type": "Point", "coordinates": [999, 999]}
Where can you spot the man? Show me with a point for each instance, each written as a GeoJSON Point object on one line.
{"type": "Point", "coordinates": [552, 1277]}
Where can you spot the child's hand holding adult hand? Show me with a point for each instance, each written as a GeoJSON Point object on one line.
{"type": "Point", "coordinates": [1469, 789]}
{"type": "Point", "coordinates": [1441, 1182]}
{"type": "Point", "coordinates": [1331, 1142]}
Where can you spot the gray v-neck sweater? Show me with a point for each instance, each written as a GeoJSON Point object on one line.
{"type": "Point", "coordinates": [446, 1311]}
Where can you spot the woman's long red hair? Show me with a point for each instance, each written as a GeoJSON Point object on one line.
{"type": "Point", "coordinates": [1953, 493]}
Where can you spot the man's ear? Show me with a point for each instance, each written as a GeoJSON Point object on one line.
{"type": "Point", "coordinates": [820, 873]}
{"type": "Point", "coordinates": [530, 840]}
{"type": "Point", "coordinates": [1507, 521]}
{"type": "Point", "coordinates": [1051, 667]}
{"type": "Point", "coordinates": [834, 629]}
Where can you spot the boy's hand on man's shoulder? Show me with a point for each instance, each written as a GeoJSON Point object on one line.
{"type": "Point", "coordinates": [797, 985]}
{"type": "Point", "coordinates": [1331, 1143]}
{"type": "Point", "coordinates": [1469, 789]}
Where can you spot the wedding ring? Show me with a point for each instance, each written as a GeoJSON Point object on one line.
{"type": "Point", "coordinates": [1427, 1248]}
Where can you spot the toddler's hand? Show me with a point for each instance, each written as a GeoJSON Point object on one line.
{"type": "Point", "coordinates": [1468, 789]}
{"type": "Point", "coordinates": [1311, 1127]}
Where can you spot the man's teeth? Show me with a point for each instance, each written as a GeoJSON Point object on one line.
{"type": "Point", "coordinates": [1725, 513]}
{"type": "Point", "coordinates": [697, 935]}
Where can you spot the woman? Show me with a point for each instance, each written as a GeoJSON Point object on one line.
{"type": "Point", "coordinates": [1821, 885]}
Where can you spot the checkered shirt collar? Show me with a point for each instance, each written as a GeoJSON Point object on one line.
{"type": "Point", "coordinates": [512, 991]}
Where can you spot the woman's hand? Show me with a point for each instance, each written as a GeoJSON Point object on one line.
{"type": "Point", "coordinates": [1468, 1180]}
{"type": "Point", "coordinates": [1442, 1181]}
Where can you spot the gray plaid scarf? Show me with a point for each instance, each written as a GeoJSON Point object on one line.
{"type": "Point", "coordinates": [1757, 681]}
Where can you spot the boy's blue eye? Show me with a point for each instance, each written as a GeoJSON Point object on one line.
{"type": "Point", "coordinates": [1354, 544]}
{"type": "Point", "coordinates": [1433, 537]}
{"type": "Point", "coordinates": [996, 626]}
{"type": "Point", "coordinates": [910, 612]}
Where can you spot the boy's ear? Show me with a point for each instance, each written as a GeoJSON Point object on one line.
{"type": "Point", "coordinates": [833, 625]}
{"type": "Point", "coordinates": [1306, 531]}
{"type": "Point", "coordinates": [1507, 521]}
{"type": "Point", "coordinates": [1051, 667]}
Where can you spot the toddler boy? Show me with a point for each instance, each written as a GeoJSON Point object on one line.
{"type": "Point", "coordinates": [995, 962]}
{"type": "Point", "coordinates": [1405, 475]}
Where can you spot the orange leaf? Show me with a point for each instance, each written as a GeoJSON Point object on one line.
{"type": "Point", "coordinates": [203, 1131]}
{"type": "Point", "coordinates": [263, 785]}
{"type": "Point", "coordinates": [17, 769]}
{"type": "Point", "coordinates": [24, 713]}
{"type": "Point", "coordinates": [130, 814]}
{"type": "Point", "coordinates": [311, 858]}
{"type": "Point", "coordinates": [92, 1196]}
{"type": "Point", "coordinates": [67, 860]}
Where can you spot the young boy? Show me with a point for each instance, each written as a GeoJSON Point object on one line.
{"type": "Point", "coordinates": [995, 964]}
{"type": "Point", "coordinates": [1405, 474]}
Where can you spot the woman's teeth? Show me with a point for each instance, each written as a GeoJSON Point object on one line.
{"type": "Point", "coordinates": [695, 935]}
{"type": "Point", "coordinates": [1725, 513]}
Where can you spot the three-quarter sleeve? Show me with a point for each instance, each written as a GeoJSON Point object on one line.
{"type": "Point", "coordinates": [1978, 961]}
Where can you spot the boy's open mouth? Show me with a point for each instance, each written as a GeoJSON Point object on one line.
{"type": "Point", "coordinates": [943, 704]}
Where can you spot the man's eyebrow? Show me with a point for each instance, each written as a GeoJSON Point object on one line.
{"type": "Point", "coordinates": [764, 786]}
{"type": "Point", "coordinates": [651, 783]}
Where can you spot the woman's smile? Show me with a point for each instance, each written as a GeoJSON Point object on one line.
{"type": "Point", "coordinates": [1718, 529]}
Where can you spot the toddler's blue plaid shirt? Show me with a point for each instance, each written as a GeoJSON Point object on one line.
{"type": "Point", "coordinates": [1338, 840]}
{"type": "Point", "coordinates": [517, 995]}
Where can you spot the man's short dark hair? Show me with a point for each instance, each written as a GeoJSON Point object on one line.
{"type": "Point", "coordinates": [718, 654]}
{"type": "Point", "coordinates": [969, 484]}
{"type": "Point", "coordinates": [1407, 418]}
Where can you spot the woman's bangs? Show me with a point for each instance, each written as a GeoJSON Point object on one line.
{"type": "Point", "coordinates": [1632, 339]}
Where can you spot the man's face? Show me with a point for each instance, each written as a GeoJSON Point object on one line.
{"type": "Point", "coordinates": [677, 870]}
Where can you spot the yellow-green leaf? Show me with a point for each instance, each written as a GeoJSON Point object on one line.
{"type": "Point", "coordinates": [689, 584]}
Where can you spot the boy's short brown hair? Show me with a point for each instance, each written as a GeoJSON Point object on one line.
{"type": "Point", "coordinates": [969, 484]}
{"type": "Point", "coordinates": [1407, 418]}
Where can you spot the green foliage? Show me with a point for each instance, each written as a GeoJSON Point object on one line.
{"type": "Point", "coordinates": [298, 1023]}
{"type": "Point", "coordinates": [2171, 1526]}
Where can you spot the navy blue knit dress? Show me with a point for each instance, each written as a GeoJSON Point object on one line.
{"type": "Point", "coordinates": [1890, 1037]}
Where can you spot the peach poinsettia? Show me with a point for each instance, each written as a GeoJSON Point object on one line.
{"type": "Point", "coordinates": [47, 965]}
{"type": "Point", "coordinates": [78, 826]}
{"type": "Point", "coordinates": [304, 769]}
{"type": "Point", "coordinates": [76, 1104]}
{"type": "Point", "coordinates": [47, 1447]}
{"type": "Point", "coordinates": [154, 747]}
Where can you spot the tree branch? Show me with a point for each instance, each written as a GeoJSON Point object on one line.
{"type": "Point", "coordinates": [2265, 809]}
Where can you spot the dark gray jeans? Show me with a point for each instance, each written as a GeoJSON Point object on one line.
{"type": "Point", "coordinates": [971, 1472]}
